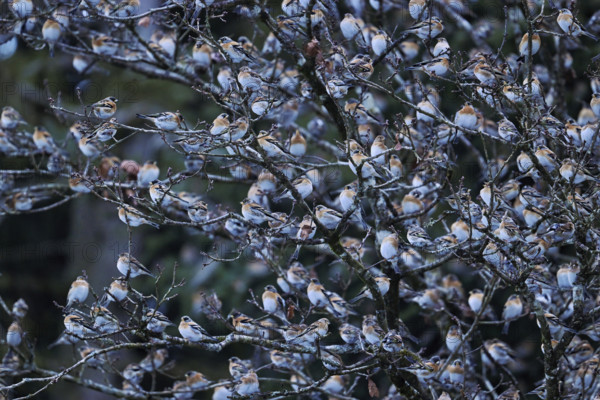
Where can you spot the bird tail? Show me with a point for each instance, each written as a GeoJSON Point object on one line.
{"type": "Point", "coordinates": [591, 36]}
{"type": "Point", "coordinates": [296, 252]}
{"type": "Point", "coordinates": [356, 299]}
{"type": "Point", "coordinates": [505, 327]}
{"type": "Point", "coordinates": [142, 116]}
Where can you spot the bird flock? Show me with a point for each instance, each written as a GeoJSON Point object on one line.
{"type": "Point", "coordinates": [419, 179]}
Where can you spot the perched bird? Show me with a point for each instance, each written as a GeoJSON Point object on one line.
{"type": "Point", "coordinates": [19, 309]}
{"type": "Point", "coordinates": [43, 140]}
{"type": "Point", "coordinates": [195, 380]}
{"type": "Point", "coordinates": [536, 43]}
{"type": "Point", "coordinates": [512, 310]}
{"type": "Point", "coordinates": [167, 121]}
{"type": "Point", "coordinates": [156, 321]}
{"type": "Point", "coordinates": [238, 367]}
{"type": "Point", "coordinates": [303, 185]}
{"type": "Point", "coordinates": [248, 384]}
{"type": "Point", "coordinates": [328, 217]}
{"type": "Point", "coordinates": [389, 247]}
{"type": "Point", "coordinates": [51, 33]}
{"type": "Point", "coordinates": [317, 294]}
{"type": "Point", "coordinates": [453, 338]}
{"type": "Point", "coordinates": [132, 217]}
{"type": "Point", "coordinates": [117, 291]}
{"type": "Point", "coordinates": [273, 302]}
{"type": "Point", "coordinates": [569, 24]}
{"type": "Point", "coordinates": [129, 266]}
{"type": "Point", "coordinates": [148, 173]}
{"type": "Point", "coordinates": [76, 325]}
{"type": "Point", "coordinates": [306, 231]}
{"type": "Point", "coordinates": [10, 118]}
{"type": "Point", "coordinates": [297, 144]}
{"type": "Point", "coordinates": [220, 124]}
{"type": "Point", "coordinates": [383, 285]}
{"type": "Point", "coordinates": [235, 50]}
{"type": "Point", "coordinates": [78, 292]}
{"type": "Point", "coordinates": [105, 45]}
{"type": "Point", "coordinates": [193, 332]}
{"type": "Point", "coordinates": [427, 29]}
{"type": "Point", "coordinates": [14, 334]}
{"type": "Point", "coordinates": [255, 213]}
{"type": "Point", "coordinates": [371, 330]}
{"type": "Point", "coordinates": [499, 351]}
{"type": "Point", "coordinates": [154, 360]}
{"type": "Point", "coordinates": [105, 108]}
{"type": "Point", "coordinates": [392, 342]}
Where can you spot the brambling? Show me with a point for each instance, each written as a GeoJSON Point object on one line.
{"type": "Point", "coordinates": [21, 8]}
{"type": "Point", "coordinates": [134, 374]}
{"type": "Point", "coordinates": [220, 124]}
{"type": "Point", "coordinates": [417, 9]}
{"type": "Point", "coordinates": [95, 361]}
{"type": "Point", "coordinates": [181, 391]}
{"type": "Point", "coordinates": [297, 144]}
{"type": "Point", "coordinates": [425, 106]}
{"type": "Point", "coordinates": [536, 43]}
{"type": "Point", "coordinates": [512, 393]}
{"type": "Point", "coordinates": [411, 203]}
{"type": "Point", "coordinates": [466, 117]}
{"type": "Point", "coordinates": [316, 330]}
{"type": "Point", "coordinates": [499, 351]}
{"type": "Point", "coordinates": [154, 360]}
{"type": "Point", "coordinates": [488, 75]}
{"type": "Point", "coordinates": [290, 27]}
{"type": "Point", "coordinates": [105, 108]}
{"type": "Point", "coordinates": [306, 231]}
{"type": "Point", "coordinates": [441, 48]}
{"type": "Point", "coordinates": [147, 173]}
{"type": "Point", "coordinates": [337, 88]}
{"type": "Point", "coordinates": [595, 104]}
{"type": "Point", "coordinates": [512, 310]}
{"type": "Point", "coordinates": [156, 321]}
{"type": "Point", "coordinates": [243, 324]}
{"type": "Point", "coordinates": [237, 129]}
{"type": "Point", "coordinates": [235, 51]}
{"type": "Point", "coordinates": [43, 140]}
{"type": "Point", "coordinates": [392, 342]}
{"type": "Point", "coordinates": [198, 212]}
{"type": "Point", "coordinates": [338, 307]}
{"type": "Point", "coordinates": [193, 332]}
{"type": "Point", "coordinates": [569, 24]}
{"type": "Point", "coordinates": [11, 118]}
{"type": "Point", "coordinates": [297, 276]}
{"type": "Point", "coordinates": [350, 334]}
{"type": "Point", "coordinates": [567, 275]}
{"type": "Point", "coordinates": [224, 392]}
{"type": "Point", "coordinates": [380, 42]}
{"type": "Point", "coordinates": [383, 284]}
{"type": "Point", "coordinates": [117, 291]}
{"type": "Point", "coordinates": [360, 167]}
{"type": "Point", "coordinates": [255, 213]}
{"type": "Point", "coordinates": [195, 380]}
{"type": "Point", "coordinates": [409, 49]}
{"type": "Point", "coordinates": [293, 7]}
{"type": "Point", "coordinates": [271, 146]}
{"type": "Point", "coordinates": [417, 236]}
{"type": "Point", "coordinates": [78, 292]}
{"type": "Point", "coordinates": [202, 55]}
{"type": "Point", "coordinates": [435, 67]}
{"type": "Point", "coordinates": [331, 361]}
{"type": "Point", "coordinates": [378, 147]}
{"type": "Point", "coordinates": [51, 33]}
{"type": "Point", "coordinates": [248, 384]}
{"type": "Point", "coordinates": [22, 201]}
{"type": "Point", "coordinates": [328, 217]}
{"type": "Point", "coordinates": [238, 367]}
{"type": "Point", "coordinates": [361, 66]}
{"type": "Point", "coordinates": [508, 131]}
{"type": "Point", "coordinates": [6, 145]}
{"type": "Point", "coordinates": [14, 334]}
{"type": "Point", "coordinates": [76, 325]}
{"type": "Point", "coordinates": [573, 172]}
{"type": "Point", "coordinates": [453, 338]}
{"type": "Point", "coordinates": [579, 351]}
{"type": "Point", "coordinates": [132, 217]}
{"type": "Point", "coordinates": [389, 248]}
{"type": "Point", "coordinates": [317, 295]}
{"type": "Point", "coordinates": [456, 372]}
{"type": "Point", "coordinates": [19, 309]}
{"type": "Point", "coordinates": [249, 80]}
{"type": "Point", "coordinates": [106, 131]}
{"type": "Point", "coordinates": [427, 29]}
{"type": "Point", "coordinates": [508, 230]}
{"type": "Point", "coordinates": [302, 184]}
{"type": "Point", "coordinates": [130, 267]}
{"type": "Point", "coordinates": [105, 45]}
{"type": "Point", "coordinates": [546, 158]}
{"type": "Point", "coordinates": [104, 320]}
{"type": "Point", "coordinates": [346, 197]}
{"type": "Point", "coordinates": [166, 121]}
{"type": "Point", "coordinates": [371, 330]}
{"type": "Point", "coordinates": [273, 303]}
